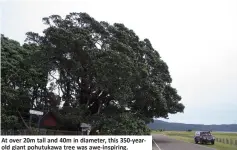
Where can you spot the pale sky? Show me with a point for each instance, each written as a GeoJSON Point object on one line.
{"type": "Point", "coordinates": [197, 40]}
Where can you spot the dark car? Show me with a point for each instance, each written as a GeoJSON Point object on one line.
{"type": "Point", "coordinates": [204, 137]}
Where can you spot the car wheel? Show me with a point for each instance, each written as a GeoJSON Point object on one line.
{"type": "Point", "coordinates": [212, 142]}
{"type": "Point", "coordinates": [196, 141]}
{"type": "Point", "coordinates": [201, 142]}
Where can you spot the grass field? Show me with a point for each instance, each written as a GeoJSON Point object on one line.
{"type": "Point", "coordinates": [188, 137]}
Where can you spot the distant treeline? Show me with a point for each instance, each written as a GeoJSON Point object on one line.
{"type": "Point", "coordinates": [158, 124]}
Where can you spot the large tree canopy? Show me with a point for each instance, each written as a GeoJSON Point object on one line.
{"type": "Point", "coordinates": [23, 83]}
{"type": "Point", "coordinates": [106, 74]}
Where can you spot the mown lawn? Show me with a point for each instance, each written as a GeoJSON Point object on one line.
{"type": "Point", "coordinates": [188, 137]}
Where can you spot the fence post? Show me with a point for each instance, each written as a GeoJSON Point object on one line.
{"type": "Point", "coordinates": [227, 141]}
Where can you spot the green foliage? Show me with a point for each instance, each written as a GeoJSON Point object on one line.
{"type": "Point", "coordinates": [23, 82]}
{"type": "Point", "coordinates": [8, 121]}
{"type": "Point", "coordinates": [107, 75]}
{"type": "Point", "coordinates": [124, 124]}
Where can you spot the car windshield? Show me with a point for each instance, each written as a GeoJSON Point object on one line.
{"type": "Point", "coordinates": [205, 133]}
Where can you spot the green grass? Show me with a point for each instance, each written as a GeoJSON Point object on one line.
{"type": "Point", "coordinates": [225, 135]}
{"type": "Point", "coordinates": [188, 137]}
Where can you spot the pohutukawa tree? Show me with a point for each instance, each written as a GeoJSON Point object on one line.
{"type": "Point", "coordinates": [106, 74]}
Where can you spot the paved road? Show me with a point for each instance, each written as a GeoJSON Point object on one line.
{"type": "Point", "coordinates": [162, 142]}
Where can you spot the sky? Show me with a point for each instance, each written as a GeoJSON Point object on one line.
{"type": "Point", "coordinates": [197, 40]}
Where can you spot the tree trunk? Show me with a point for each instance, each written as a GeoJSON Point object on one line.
{"type": "Point", "coordinates": [29, 128]}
